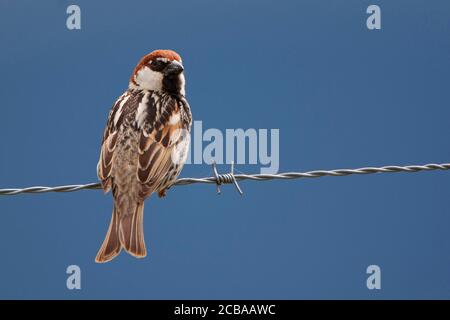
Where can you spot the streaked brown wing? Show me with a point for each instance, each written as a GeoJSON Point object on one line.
{"type": "Point", "coordinates": [104, 165]}
{"type": "Point", "coordinates": [156, 152]}
{"type": "Point", "coordinates": [109, 141]}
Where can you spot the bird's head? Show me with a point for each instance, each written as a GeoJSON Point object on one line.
{"type": "Point", "coordinates": [161, 71]}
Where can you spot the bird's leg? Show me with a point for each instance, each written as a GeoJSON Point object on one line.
{"type": "Point", "coordinates": [162, 193]}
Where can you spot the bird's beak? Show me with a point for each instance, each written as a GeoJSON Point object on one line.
{"type": "Point", "coordinates": [173, 68]}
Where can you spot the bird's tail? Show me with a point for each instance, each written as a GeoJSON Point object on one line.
{"type": "Point", "coordinates": [126, 230]}
{"type": "Point", "coordinates": [111, 245]}
{"type": "Point", "coordinates": [131, 231]}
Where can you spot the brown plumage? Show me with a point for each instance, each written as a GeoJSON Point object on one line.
{"type": "Point", "coordinates": [144, 147]}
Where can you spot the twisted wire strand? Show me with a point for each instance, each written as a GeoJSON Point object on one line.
{"type": "Point", "coordinates": [229, 178]}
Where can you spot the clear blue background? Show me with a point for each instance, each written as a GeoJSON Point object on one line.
{"type": "Point", "coordinates": [342, 96]}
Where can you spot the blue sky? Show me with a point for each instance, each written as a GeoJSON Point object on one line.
{"type": "Point", "coordinates": [340, 94]}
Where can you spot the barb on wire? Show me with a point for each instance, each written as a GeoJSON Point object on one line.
{"type": "Point", "coordinates": [228, 178]}
{"type": "Point", "coordinates": [225, 178]}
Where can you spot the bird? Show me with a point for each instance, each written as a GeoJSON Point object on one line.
{"type": "Point", "coordinates": [144, 147]}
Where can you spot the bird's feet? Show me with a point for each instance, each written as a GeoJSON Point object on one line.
{"type": "Point", "coordinates": [162, 193]}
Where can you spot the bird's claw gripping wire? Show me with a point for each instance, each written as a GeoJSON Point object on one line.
{"type": "Point", "coordinates": [225, 178]}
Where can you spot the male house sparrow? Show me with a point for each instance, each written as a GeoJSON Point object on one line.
{"type": "Point", "coordinates": [144, 147]}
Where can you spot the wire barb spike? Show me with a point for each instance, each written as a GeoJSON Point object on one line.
{"type": "Point", "coordinates": [225, 178]}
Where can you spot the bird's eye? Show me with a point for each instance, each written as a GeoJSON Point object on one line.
{"type": "Point", "coordinates": [158, 64]}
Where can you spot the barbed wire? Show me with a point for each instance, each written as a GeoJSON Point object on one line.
{"type": "Point", "coordinates": [230, 177]}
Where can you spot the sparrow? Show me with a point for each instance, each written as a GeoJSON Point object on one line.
{"type": "Point", "coordinates": [144, 147]}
